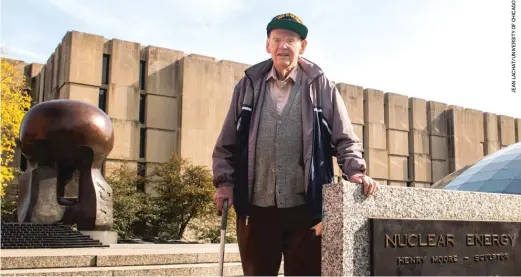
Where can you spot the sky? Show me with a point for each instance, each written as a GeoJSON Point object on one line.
{"type": "Point", "coordinates": [453, 51]}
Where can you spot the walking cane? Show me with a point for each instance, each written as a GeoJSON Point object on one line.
{"type": "Point", "coordinates": [224, 219]}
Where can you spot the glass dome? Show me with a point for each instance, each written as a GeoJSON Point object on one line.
{"type": "Point", "coordinates": [499, 172]}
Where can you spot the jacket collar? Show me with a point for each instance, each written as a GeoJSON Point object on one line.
{"type": "Point", "coordinates": [259, 70]}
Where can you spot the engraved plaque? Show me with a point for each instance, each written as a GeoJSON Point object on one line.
{"type": "Point", "coordinates": [445, 247]}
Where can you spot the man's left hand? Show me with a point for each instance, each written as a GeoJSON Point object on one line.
{"type": "Point", "coordinates": [370, 185]}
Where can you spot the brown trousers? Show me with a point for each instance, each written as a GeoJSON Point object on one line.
{"type": "Point", "coordinates": [273, 232]}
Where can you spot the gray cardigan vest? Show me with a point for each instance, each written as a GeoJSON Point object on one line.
{"type": "Point", "coordinates": [279, 166]}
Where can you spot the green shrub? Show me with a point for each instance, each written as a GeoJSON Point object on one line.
{"type": "Point", "coordinates": [183, 192]}
{"type": "Point", "coordinates": [129, 203]}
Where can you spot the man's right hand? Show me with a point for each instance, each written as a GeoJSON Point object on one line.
{"type": "Point", "coordinates": [221, 194]}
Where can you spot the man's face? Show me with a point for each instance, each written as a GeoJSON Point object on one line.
{"type": "Point", "coordinates": [285, 46]}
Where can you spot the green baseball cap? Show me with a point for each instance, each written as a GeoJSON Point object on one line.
{"type": "Point", "coordinates": [288, 21]}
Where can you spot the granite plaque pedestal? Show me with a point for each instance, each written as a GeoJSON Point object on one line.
{"type": "Point", "coordinates": [482, 227]}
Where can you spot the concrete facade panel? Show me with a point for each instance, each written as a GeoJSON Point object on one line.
{"type": "Point", "coordinates": [491, 147]}
{"type": "Point", "coordinates": [437, 118]}
{"type": "Point", "coordinates": [377, 163]}
{"type": "Point", "coordinates": [374, 110]}
{"type": "Point", "coordinates": [440, 169]}
{"type": "Point", "coordinates": [55, 86]}
{"type": "Point", "coordinates": [86, 59]}
{"type": "Point", "coordinates": [466, 136]}
{"type": "Point", "coordinates": [160, 145]}
{"type": "Point", "coordinates": [359, 132]}
{"type": "Point", "coordinates": [237, 68]}
{"type": "Point", "coordinates": [65, 60]}
{"type": "Point", "coordinates": [478, 124]}
{"type": "Point", "coordinates": [507, 130]}
{"type": "Point", "coordinates": [32, 72]}
{"type": "Point", "coordinates": [473, 124]}
{"type": "Point", "coordinates": [35, 69]}
{"type": "Point", "coordinates": [419, 142]}
{"type": "Point", "coordinates": [123, 80]}
{"type": "Point", "coordinates": [353, 97]}
{"type": "Point", "coordinates": [418, 114]}
{"type": "Point", "coordinates": [398, 142]}
{"type": "Point", "coordinates": [375, 136]}
{"type": "Point", "coordinates": [35, 91]}
{"type": "Point", "coordinates": [41, 85]}
{"type": "Point", "coordinates": [47, 89]}
{"type": "Point", "coordinates": [491, 129]}
{"type": "Point", "coordinates": [116, 95]}
{"type": "Point", "coordinates": [80, 92]}
{"type": "Point", "coordinates": [396, 111]}
{"type": "Point", "coordinates": [398, 168]}
{"type": "Point", "coordinates": [490, 125]}
{"type": "Point", "coordinates": [420, 168]}
{"type": "Point", "coordinates": [126, 140]}
{"type": "Point", "coordinates": [162, 112]}
{"type": "Point", "coordinates": [463, 152]}
{"type": "Point", "coordinates": [206, 95]}
{"type": "Point", "coordinates": [162, 76]}
{"type": "Point", "coordinates": [439, 148]}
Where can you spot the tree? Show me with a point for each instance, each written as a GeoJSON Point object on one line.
{"type": "Point", "coordinates": [15, 103]}
{"type": "Point", "coordinates": [184, 192]}
{"type": "Point", "coordinates": [179, 200]}
{"type": "Point", "coordinates": [9, 201]}
{"type": "Point", "coordinates": [128, 202]}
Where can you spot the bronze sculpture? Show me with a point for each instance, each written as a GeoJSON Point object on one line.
{"type": "Point", "coordinates": [65, 143]}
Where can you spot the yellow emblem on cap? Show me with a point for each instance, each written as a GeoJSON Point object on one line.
{"type": "Point", "coordinates": [290, 15]}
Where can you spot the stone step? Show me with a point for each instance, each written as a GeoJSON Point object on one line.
{"type": "Point", "coordinates": [202, 269]}
{"type": "Point", "coordinates": [123, 260]}
{"type": "Point", "coordinates": [116, 255]}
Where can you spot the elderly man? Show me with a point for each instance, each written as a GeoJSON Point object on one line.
{"type": "Point", "coordinates": [285, 123]}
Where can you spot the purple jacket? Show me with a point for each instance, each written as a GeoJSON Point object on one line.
{"type": "Point", "coordinates": [327, 131]}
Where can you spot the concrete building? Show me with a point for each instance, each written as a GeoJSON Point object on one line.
{"type": "Point", "coordinates": [163, 101]}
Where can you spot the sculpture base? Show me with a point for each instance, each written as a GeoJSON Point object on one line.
{"type": "Point", "coordinates": [32, 236]}
{"type": "Point", "coordinates": [105, 237]}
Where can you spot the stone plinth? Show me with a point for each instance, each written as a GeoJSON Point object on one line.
{"type": "Point", "coordinates": [346, 241]}
{"type": "Point", "coordinates": [105, 237]}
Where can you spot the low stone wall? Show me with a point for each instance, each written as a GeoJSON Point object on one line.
{"type": "Point", "coordinates": [346, 248]}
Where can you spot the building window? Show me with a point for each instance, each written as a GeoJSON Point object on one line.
{"type": "Point", "coordinates": [105, 70]}
{"type": "Point", "coordinates": [141, 170]}
{"type": "Point", "coordinates": [409, 169]}
{"type": "Point", "coordinates": [34, 91]}
{"type": "Point", "coordinates": [102, 99]}
{"type": "Point", "coordinates": [142, 67]}
{"type": "Point", "coordinates": [142, 98]}
{"type": "Point", "coordinates": [142, 142]}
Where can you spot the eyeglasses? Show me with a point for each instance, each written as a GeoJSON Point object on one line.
{"type": "Point", "coordinates": [288, 41]}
